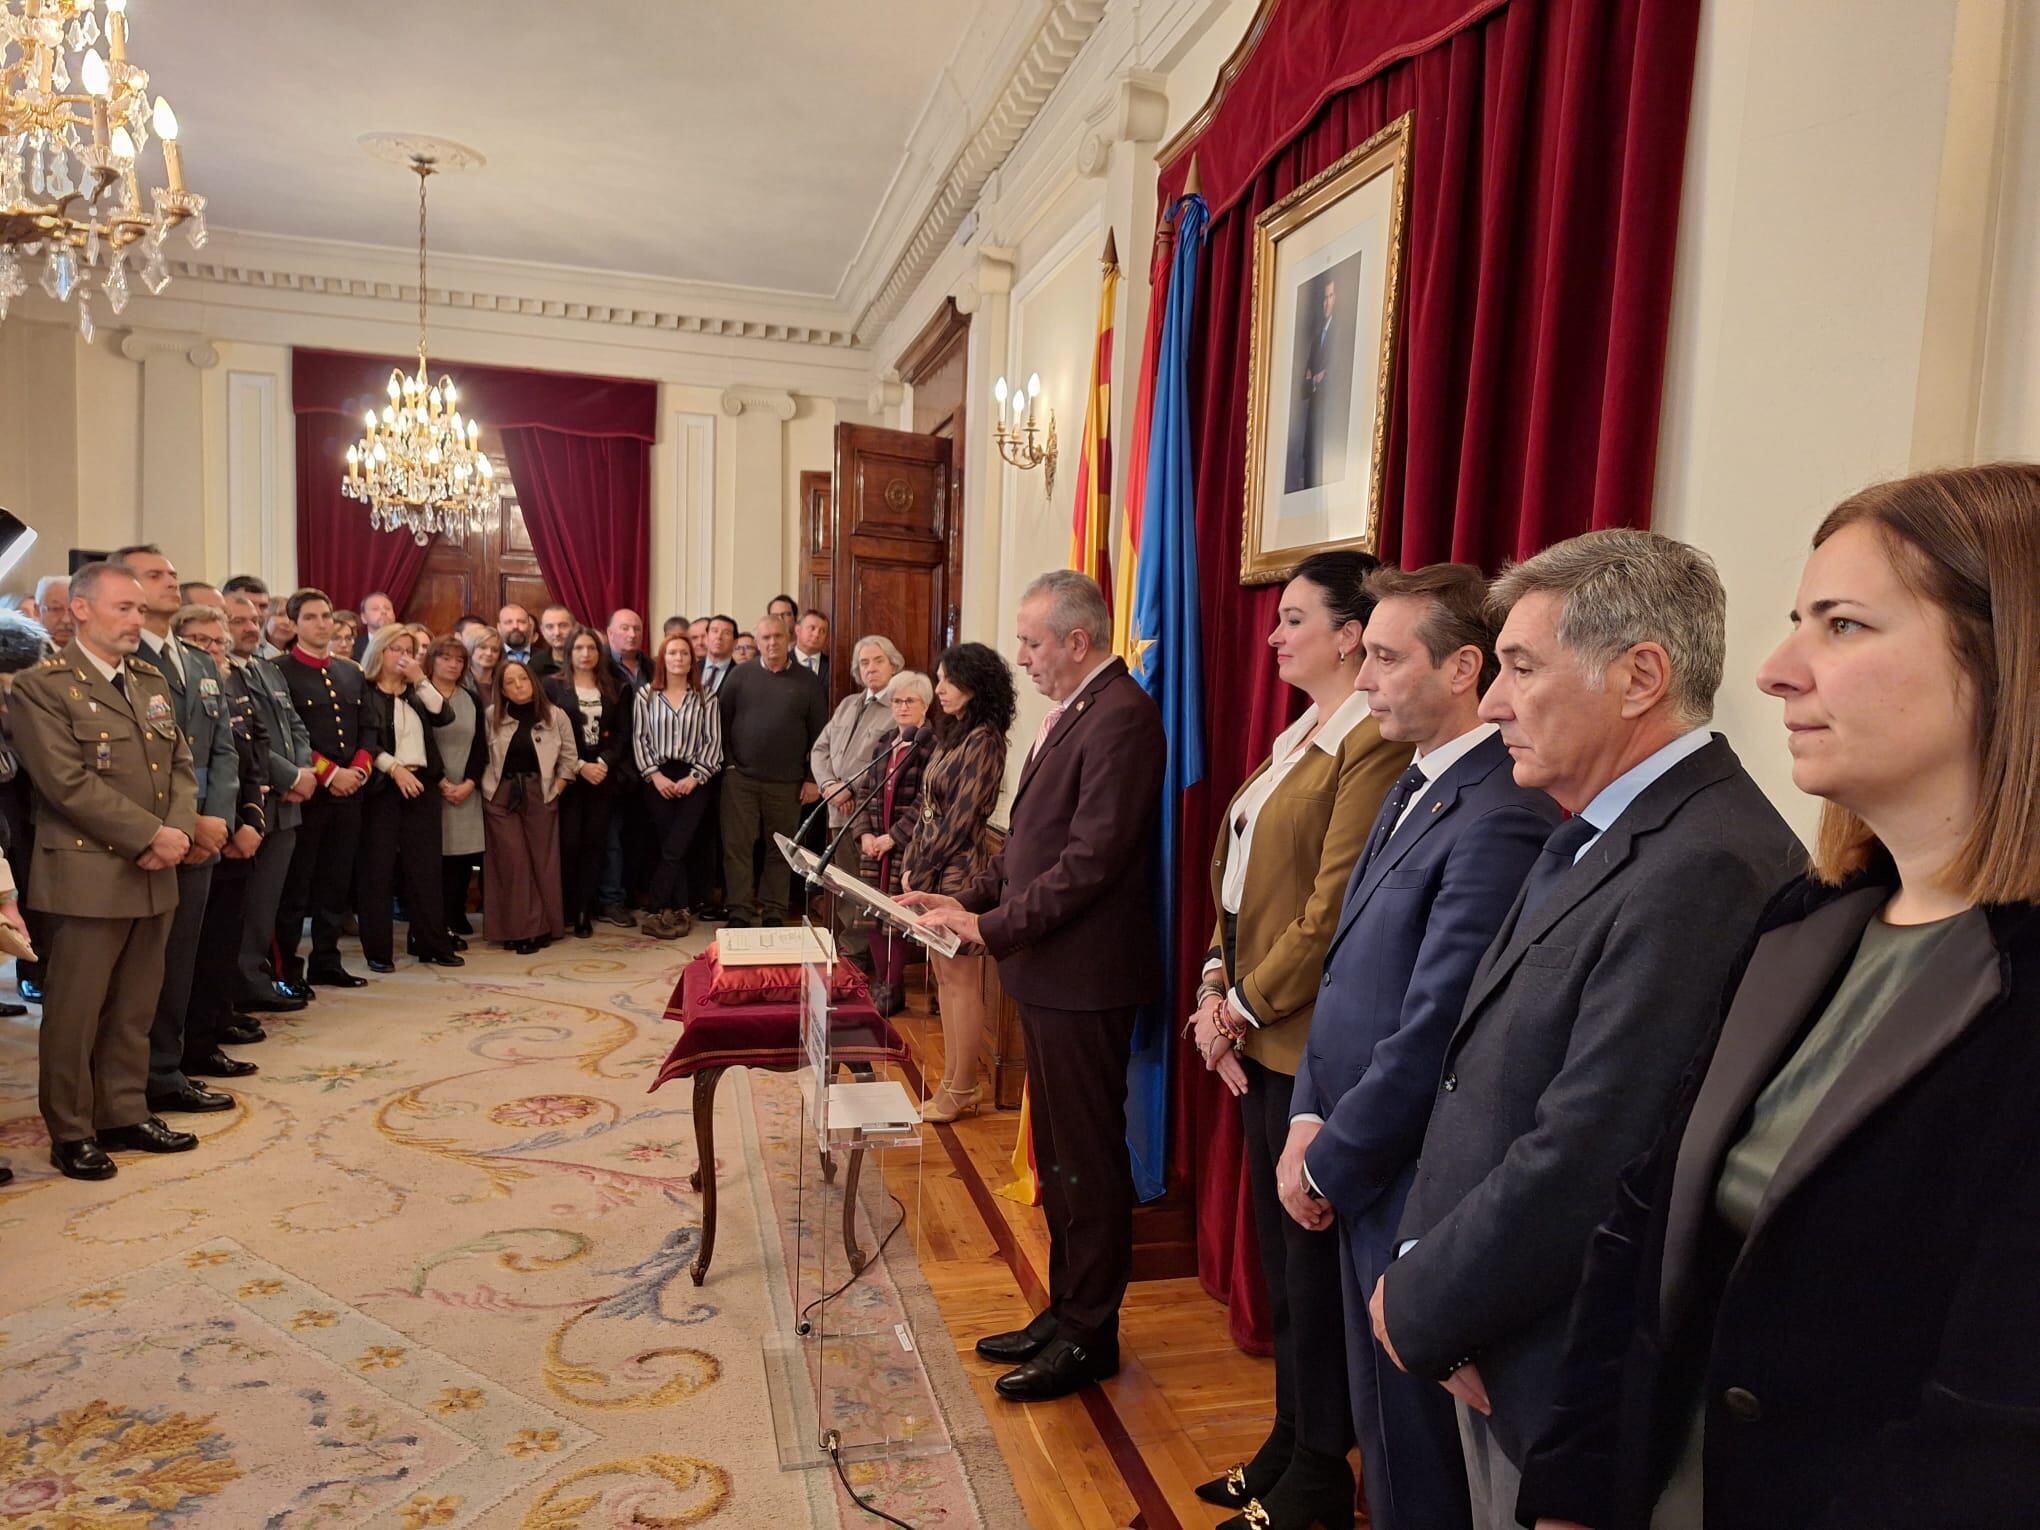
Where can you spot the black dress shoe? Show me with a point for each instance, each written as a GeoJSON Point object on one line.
{"type": "Point", "coordinates": [191, 1100]}
{"type": "Point", "coordinates": [444, 959]}
{"type": "Point", "coordinates": [459, 944]}
{"type": "Point", "coordinates": [277, 1003]}
{"type": "Point", "coordinates": [32, 991]}
{"type": "Point", "coordinates": [336, 977]}
{"type": "Point", "coordinates": [583, 927]}
{"type": "Point", "coordinates": [1021, 1344]}
{"type": "Point", "coordinates": [1060, 1369]}
{"type": "Point", "coordinates": [380, 967]}
{"type": "Point", "coordinates": [712, 911]}
{"type": "Point", "coordinates": [243, 1033]}
{"type": "Point", "coordinates": [12, 1011]}
{"type": "Point", "coordinates": [1316, 1490]}
{"type": "Point", "coordinates": [82, 1160]}
{"type": "Point", "coordinates": [216, 1064]}
{"type": "Point", "coordinates": [291, 989]}
{"type": "Point", "coordinates": [150, 1136]}
{"type": "Point", "coordinates": [1252, 1479]}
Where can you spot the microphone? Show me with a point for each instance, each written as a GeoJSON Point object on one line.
{"type": "Point", "coordinates": [823, 805]}
{"type": "Point", "coordinates": [907, 735]}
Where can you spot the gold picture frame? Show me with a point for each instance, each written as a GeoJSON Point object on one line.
{"type": "Point", "coordinates": [1309, 489]}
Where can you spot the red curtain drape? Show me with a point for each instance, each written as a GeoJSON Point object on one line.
{"type": "Point", "coordinates": [332, 390]}
{"type": "Point", "coordinates": [588, 506]}
{"type": "Point", "coordinates": [1546, 156]}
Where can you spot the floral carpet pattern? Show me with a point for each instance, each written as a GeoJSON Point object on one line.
{"type": "Point", "coordinates": [432, 1272]}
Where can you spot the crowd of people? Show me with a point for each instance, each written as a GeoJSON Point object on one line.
{"type": "Point", "coordinates": [307, 772]}
{"type": "Point", "coordinates": [1614, 1161]}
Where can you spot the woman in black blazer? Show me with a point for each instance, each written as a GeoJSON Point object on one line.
{"type": "Point", "coordinates": [400, 810]}
{"type": "Point", "coordinates": [1813, 1306]}
{"type": "Point", "coordinates": [594, 695]}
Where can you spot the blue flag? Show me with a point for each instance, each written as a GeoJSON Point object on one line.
{"type": "Point", "coordinates": [1166, 660]}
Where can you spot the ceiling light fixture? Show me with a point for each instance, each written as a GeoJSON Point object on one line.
{"type": "Point", "coordinates": [74, 218]}
{"type": "Point", "coordinates": [419, 466]}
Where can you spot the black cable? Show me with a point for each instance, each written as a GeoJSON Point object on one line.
{"type": "Point", "coordinates": [836, 1455]}
{"type": "Point", "coordinates": [802, 1326]}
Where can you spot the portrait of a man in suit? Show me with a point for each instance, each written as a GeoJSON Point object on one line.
{"type": "Point", "coordinates": [1321, 377]}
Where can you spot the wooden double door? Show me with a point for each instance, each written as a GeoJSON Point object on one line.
{"type": "Point", "coordinates": [482, 572]}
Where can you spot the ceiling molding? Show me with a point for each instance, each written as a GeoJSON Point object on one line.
{"type": "Point", "coordinates": [1064, 30]}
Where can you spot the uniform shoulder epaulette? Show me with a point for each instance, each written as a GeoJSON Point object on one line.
{"type": "Point", "coordinates": [55, 661]}
{"type": "Point", "coordinates": [142, 666]}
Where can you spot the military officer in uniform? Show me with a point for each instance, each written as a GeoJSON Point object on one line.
{"type": "Point", "coordinates": [201, 716]}
{"type": "Point", "coordinates": [97, 731]}
{"type": "Point", "coordinates": [288, 771]}
{"type": "Point", "coordinates": [326, 689]}
{"type": "Point", "coordinates": [209, 1017]}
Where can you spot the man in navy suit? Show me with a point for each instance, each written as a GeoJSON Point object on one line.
{"type": "Point", "coordinates": [1449, 851]}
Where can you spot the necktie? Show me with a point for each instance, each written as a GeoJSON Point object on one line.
{"type": "Point", "coordinates": [1407, 785]}
{"type": "Point", "coordinates": [120, 680]}
{"type": "Point", "coordinates": [1047, 727]}
{"type": "Point", "coordinates": [176, 659]}
{"type": "Point", "coordinates": [1554, 861]}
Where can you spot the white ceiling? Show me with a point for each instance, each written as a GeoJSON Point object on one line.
{"type": "Point", "coordinates": [744, 142]}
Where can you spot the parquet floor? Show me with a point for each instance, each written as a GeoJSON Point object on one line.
{"type": "Point", "coordinates": [1186, 1403]}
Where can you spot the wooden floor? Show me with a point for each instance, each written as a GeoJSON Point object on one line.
{"type": "Point", "coordinates": [1186, 1403]}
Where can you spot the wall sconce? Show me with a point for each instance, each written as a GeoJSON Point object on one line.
{"type": "Point", "coordinates": [1017, 433]}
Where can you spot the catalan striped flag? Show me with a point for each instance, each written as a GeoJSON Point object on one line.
{"type": "Point", "coordinates": [1090, 553]}
{"type": "Point", "coordinates": [1091, 517]}
{"type": "Point", "coordinates": [1138, 431]}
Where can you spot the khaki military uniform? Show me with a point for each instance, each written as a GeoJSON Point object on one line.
{"type": "Point", "coordinates": [110, 770]}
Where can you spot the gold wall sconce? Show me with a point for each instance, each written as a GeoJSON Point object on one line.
{"type": "Point", "coordinates": [1019, 434]}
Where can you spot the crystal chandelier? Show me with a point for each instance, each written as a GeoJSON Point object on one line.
{"type": "Point", "coordinates": [69, 191]}
{"type": "Point", "coordinates": [419, 466]}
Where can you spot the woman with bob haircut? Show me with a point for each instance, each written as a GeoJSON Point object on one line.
{"type": "Point", "coordinates": [1813, 1303]}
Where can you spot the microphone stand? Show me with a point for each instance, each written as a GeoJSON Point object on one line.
{"type": "Point", "coordinates": [822, 805]}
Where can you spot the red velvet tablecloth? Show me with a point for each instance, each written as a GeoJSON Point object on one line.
{"type": "Point", "coordinates": [765, 1035]}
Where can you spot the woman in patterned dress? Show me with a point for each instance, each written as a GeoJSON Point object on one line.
{"type": "Point", "coordinates": [885, 823]}
{"type": "Point", "coordinates": [949, 846]}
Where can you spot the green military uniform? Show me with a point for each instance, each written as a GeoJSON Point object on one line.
{"type": "Point", "coordinates": [110, 770]}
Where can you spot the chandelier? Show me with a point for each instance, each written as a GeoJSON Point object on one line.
{"type": "Point", "coordinates": [69, 190]}
{"type": "Point", "coordinates": [419, 466]}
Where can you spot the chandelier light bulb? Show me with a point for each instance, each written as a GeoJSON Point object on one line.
{"type": "Point", "coordinates": [395, 389]}
{"type": "Point", "coordinates": [165, 121]}
{"type": "Point", "coordinates": [999, 392]}
{"type": "Point", "coordinates": [116, 7]}
{"type": "Point", "coordinates": [1034, 385]}
{"type": "Point", "coordinates": [371, 421]}
{"type": "Point", "coordinates": [94, 73]}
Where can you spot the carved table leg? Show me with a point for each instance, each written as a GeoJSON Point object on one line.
{"type": "Point", "coordinates": [851, 1250]}
{"type": "Point", "coordinates": [704, 1170]}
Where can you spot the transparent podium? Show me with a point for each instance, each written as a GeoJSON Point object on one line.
{"type": "Point", "coordinates": [844, 1371]}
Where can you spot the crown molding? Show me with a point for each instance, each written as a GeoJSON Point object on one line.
{"type": "Point", "coordinates": [323, 268]}
{"type": "Point", "coordinates": [1064, 29]}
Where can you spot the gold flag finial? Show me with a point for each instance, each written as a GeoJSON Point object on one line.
{"type": "Point", "coordinates": [1110, 258]}
{"type": "Point", "coordinates": [1192, 186]}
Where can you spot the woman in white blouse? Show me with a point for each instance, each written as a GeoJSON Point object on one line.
{"type": "Point", "coordinates": [678, 739]}
{"type": "Point", "coordinates": [400, 813]}
{"type": "Point", "coordinates": [1278, 875]}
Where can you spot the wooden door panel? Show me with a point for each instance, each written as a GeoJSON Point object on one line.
{"type": "Point", "coordinates": [897, 544]}
{"type": "Point", "coordinates": [439, 599]}
{"type": "Point", "coordinates": [818, 544]}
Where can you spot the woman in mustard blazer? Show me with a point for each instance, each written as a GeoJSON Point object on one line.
{"type": "Point", "coordinates": [1278, 877]}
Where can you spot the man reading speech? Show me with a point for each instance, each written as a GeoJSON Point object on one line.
{"type": "Point", "coordinates": [1066, 910]}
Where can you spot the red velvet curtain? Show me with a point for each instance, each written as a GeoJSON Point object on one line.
{"type": "Point", "coordinates": [588, 506]}
{"type": "Point", "coordinates": [1546, 156]}
{"type": "Point", "coordinates": [331, 391]}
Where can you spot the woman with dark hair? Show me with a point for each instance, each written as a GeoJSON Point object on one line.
{"type": "Point", "coordinates": [591, 693]}
{"type": "Point", "coordinates": [400, 811]}
{"type": "Point", "coordinates": [531, 759]}
{"type": "Point", "coordinates": [886, 822]}
{"type": "Point", "coordinates": [678, 739]}
{"type": "Point", "coordinates": [1812, 1304]}
{"type": "Point", "coordinates": [949, 846]}
{"type": "Point", "coordinates": [464, 748]}
{"type": "Point", "coordinates": [1285, 851]}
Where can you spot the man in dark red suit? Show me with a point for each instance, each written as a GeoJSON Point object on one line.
{"type": "Point", "coordinates": [1067, 910]}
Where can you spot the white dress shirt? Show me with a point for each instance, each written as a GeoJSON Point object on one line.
{"type": "Point", "coordinates": [1442, 759]}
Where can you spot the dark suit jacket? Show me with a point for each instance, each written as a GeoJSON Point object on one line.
{"type": "Point", "coordinates": [1879, 1321]}
{"type": "Point", "coordinates": [1580, 1022]}
{"type": "Point", "coordinates": [379, 711]}
{"type": "Point", "coordinates": [1067, 904]}
{"type": "Point", "coordinates": [1410, 933]}
{"type": "Point", "coordinates": [614, 732]}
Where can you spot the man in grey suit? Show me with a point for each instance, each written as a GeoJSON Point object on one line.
{"type": "Point", "coordinates": [290, 782]}
{"type": "Point", "coordinates": [202, 718]}
{"type": "Point", "coordinates": [1603, 981]}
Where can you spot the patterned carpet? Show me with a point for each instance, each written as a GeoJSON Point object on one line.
{"type": "Point", "coordinates": [433, 1273]}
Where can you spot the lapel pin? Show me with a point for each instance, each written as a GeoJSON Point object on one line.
{"type": "Point", "coordinates": [1437, 807]}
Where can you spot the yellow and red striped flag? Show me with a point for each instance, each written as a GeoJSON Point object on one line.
{"type": "Point", "coordinates": [1091, 519]}
{"type": "Point", "coordinates": [1090, 553]}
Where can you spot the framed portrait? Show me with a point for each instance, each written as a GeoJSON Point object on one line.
{"type": "Point", "coordinates": [1327, 297]}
